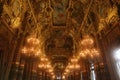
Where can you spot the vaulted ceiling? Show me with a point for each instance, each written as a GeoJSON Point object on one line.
{"type": "Point", "coordinates": [58, 24]}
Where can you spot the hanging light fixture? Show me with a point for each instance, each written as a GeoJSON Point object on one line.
{"type": "Point", "coordinates": [88, 50]}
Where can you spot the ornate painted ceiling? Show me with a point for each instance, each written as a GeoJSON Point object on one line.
{"type": "Point", "coordinates": [58, 24]}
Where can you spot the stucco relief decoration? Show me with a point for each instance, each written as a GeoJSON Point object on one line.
{"type": "Point", "coordinates": [111, 17]}
{"type": "Point", "coordinates": [16, 8]}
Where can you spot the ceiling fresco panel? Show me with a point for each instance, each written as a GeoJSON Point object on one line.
{"type": "Point", "coordinates": [59, 12]}
{"type": "Point", "coordinates": [78, 14]}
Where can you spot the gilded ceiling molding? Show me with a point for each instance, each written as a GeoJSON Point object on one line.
{"type": "Point", "coordinates": [85, 17]}
{"type": "Point", "coordinates": [112, 17]}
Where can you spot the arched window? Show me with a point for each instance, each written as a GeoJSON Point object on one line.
{"type": "Point", "coordinates": [117, 61]}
